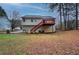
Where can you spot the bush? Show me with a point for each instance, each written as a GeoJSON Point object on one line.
{"type": "Point", "coordinates": [8, 31]}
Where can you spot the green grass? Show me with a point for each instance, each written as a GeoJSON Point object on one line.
{"type": "Point", "coordinates": [13, 43]}
{"type": "Point", "coordinates": [7, 36]}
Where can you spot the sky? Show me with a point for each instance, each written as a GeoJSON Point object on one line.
{"type": "Point", "coordinates": [28, 9]}
{"type": "Point", "coordinates": [4, 23]}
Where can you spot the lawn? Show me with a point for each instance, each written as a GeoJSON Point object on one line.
{"type": "Point", "coordinates": [7, 36]}
{"type": "Point", "coordinates": [60, 43]}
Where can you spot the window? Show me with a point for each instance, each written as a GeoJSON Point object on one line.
{"type": "Point", "coordinates": [31, 20]}
{"type": "Point", "coordinates": [23, 20]}
{"type": "Point", "coordinates": [35, 20]}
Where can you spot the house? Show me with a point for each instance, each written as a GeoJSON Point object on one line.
{"type": "Point", "coordinates": [4, 24]}
{"type": "Point", "coordinates": [36, 24]}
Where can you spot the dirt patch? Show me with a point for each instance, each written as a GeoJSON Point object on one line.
{"type": "Point", "coordinates": [59, 43]}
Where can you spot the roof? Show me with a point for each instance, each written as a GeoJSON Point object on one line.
{"type": "Point", "coordinates": [36, 17]}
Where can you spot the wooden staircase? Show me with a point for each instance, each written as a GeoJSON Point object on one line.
{"type": "Point", "coordinates": [36, 27]}
{"type": "Point", "coordinates": [43, 22]}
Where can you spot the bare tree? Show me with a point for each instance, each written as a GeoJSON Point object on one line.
{"type": "Point", "coordinates": [15, 19]}
{"type": "Point", "coordinates": [67, 10]}
{"type": "Point", "coordinates": [58, 7]}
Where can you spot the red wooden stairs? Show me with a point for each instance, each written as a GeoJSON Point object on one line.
{"type": "Point", "coordinates": [43, 22]}
{"type": "Point", "coordinates": [36, 27]}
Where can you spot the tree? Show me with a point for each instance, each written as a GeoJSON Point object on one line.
{"type": "Point", "coordinates": [66, 10]}
{"type": "Point", "coordinates": [15, 21]}
{"type": "Point", "coordinates": [58, 7]}
{"type": "Point", "coordinates": [2, 12]}
{"type": "Point", "coordinates": [76, 16]}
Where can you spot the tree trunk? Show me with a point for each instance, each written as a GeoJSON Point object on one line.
{"type": "Point", "coordinates": [68, 23]}
{"type": "Point", "coordinates": [12, 25]}
{"type": "Point", "coordinates": [66, 15]}
{"type": "Point", "coordinates": [64, 18]}
{"type": "Point", "coordinates": [60, 16]}
{"type": "Point", "coordinates": [76, 16]}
